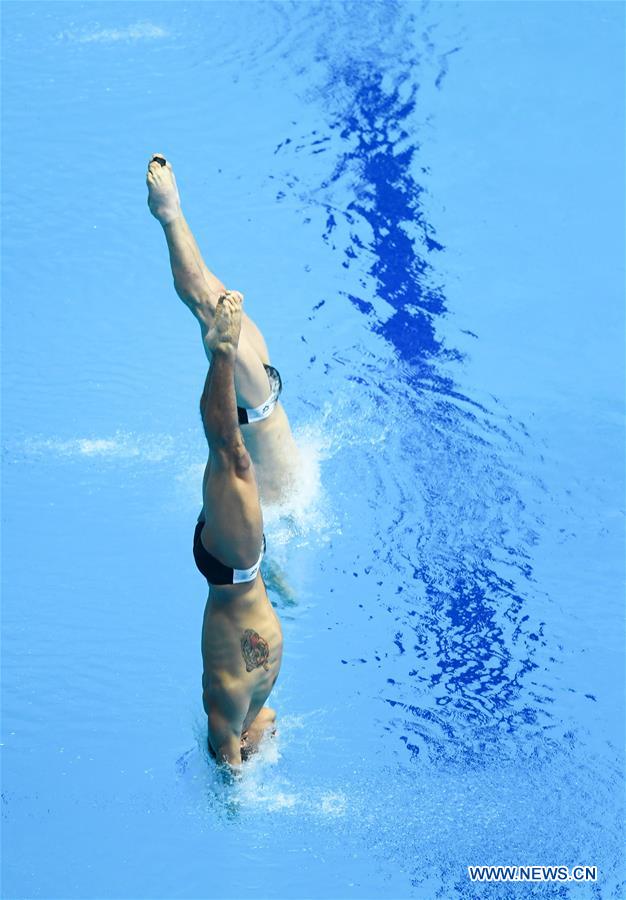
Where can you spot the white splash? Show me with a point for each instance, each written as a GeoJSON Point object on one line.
{"type": "Point", "coordinates": [188, 494]}
{"type": "Point", "coordinates": [263, 784]}
{"type": "Point", "coordinates": [305, 512]}
{"type": "Point", "coordinates": [333, 803]}
{"type": "Point", "coordinates": [140, 31]}
{"type": "Point", "coordinates": [122, 445]}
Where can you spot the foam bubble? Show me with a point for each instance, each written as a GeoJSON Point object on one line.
{"type": "Point", "coordinates": [122, 445]}
{"type": "Point", "coordinates": [333, 803]}
{"type": "Point", "coordinates": [140, 31]}
{"type": "Point", "coordinates": [306, 511]}
{"type": "Point", "coordinates": [189, 493]}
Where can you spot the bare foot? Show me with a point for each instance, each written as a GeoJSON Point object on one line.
{"type": "Point", "coordinates": [163, 197]}
{"type": "Point", "coordinates": [223, 336]}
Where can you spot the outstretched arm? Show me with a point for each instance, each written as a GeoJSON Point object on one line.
{"type": "Point", "coordinates": [233, 528]}
{"type": "Point", "coordinates": [219, 404]}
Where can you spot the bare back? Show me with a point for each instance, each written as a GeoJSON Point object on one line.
{"type": "Point", "coordinates": [242, 646]}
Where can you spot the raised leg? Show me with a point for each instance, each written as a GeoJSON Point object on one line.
{"type": "Point", "coordinates": [199, 288]}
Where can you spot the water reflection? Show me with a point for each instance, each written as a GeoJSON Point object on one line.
{"type": "Point", "coordinates": [453, 542]}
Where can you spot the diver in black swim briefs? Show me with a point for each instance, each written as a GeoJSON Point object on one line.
{"type": "Point", "coordinates": [245, 424]}
{"type": "Point", "coordinates": [241, 634]}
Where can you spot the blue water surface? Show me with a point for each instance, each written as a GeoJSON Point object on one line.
{"type": "Point", "coordinates": [424, 206]}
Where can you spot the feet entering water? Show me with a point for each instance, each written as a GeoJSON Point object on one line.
{"type": "Point", "coordinates": [224, 335]}
{"type": "Point", "coordinates": [163, 197]}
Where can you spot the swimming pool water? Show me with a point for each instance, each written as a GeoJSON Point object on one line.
{"type": "Point", "coordinates": [424, 206]}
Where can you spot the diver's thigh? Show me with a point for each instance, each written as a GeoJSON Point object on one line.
{"type": "Point", "coordinates": [253, 335]}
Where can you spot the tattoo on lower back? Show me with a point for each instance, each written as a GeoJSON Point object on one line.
{"type": "Point", "coordinates": [255, 650]}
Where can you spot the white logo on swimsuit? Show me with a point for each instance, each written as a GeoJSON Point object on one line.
{"type": "Point", "coordinates": [240, 576]}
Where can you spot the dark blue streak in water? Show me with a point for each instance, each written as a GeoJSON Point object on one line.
{"type": "Point", "coordinates": [476, 645]}
{"type": "Point", "coordinates": [388, 194]}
